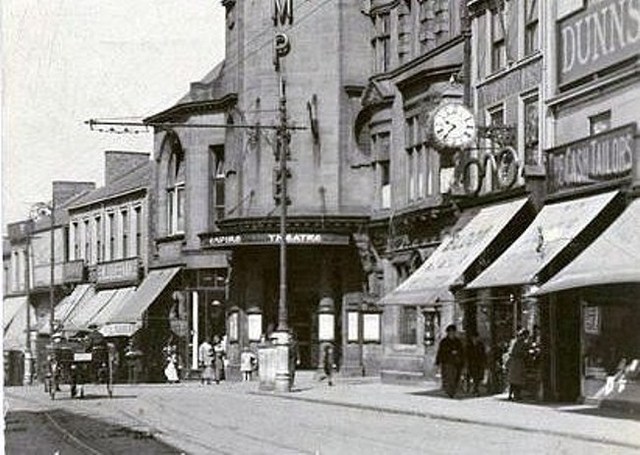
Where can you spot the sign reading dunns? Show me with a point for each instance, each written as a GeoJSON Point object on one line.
{"type": "Point", "coordinates": [592, 39]}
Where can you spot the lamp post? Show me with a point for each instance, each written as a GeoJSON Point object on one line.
{"type": "Point", "coordinates": [52, 254]}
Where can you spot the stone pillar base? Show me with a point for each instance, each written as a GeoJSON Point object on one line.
{"type": "Point", "coordinates": [283, 361]}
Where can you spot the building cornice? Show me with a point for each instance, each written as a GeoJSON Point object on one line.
{"type": "Point", "coordinates": [195, 107]}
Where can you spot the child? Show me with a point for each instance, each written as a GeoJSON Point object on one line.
{"type": "Point", "coordinates": [247, 362]}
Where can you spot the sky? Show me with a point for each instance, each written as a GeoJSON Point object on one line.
{"type": "Point", "coordinates": [66, 61]}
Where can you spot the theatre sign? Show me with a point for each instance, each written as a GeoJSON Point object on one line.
{"type": "Point", "coordinates": [603, 34]}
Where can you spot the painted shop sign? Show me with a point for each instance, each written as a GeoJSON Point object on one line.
{"type": "Point", "coordinates": [512, 83]}
{"type": "Point", "coordinates": [125, 270]}
{"type": "Point", "coordinates": [599, 158]}
{"type": "Point", "coordinates": [222, 241]}
{"type": "Point", "coordinates": [605, 33]}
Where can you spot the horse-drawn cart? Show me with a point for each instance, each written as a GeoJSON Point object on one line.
{"type": "Point", "coordinates": [75, 365]}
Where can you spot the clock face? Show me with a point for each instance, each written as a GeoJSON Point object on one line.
{"type": "Point", "coordinates": [454, 126]}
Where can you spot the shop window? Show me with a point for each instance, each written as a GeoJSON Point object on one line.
{"type": "Point", "coordinates": [218, 181]}
{"type": "Point", "coordinates": [326, 327]}
{"type": "Point", "coordinates": [532, 131]}
{"type": "Point", "coordinates": [600, 122]}
{"type": "Point", "coordinates": [498, 41]}
{"type": "Point", "coordinates": [431, 327]}
{"type": "Point", "coordinates": [531, 35]}
{"type": "Point", "coordinates": [408, 325]}
{"type": "Point", "coordinates": [381, 42]}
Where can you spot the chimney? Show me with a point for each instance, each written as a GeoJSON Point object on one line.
{"type": "Point", "coordinates": [63, 191]}
{"type": "Point", "coordinates": [117, 163]}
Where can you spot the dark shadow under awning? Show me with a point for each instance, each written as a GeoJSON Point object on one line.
{"type": "Point", "coordinates": [613, 258]}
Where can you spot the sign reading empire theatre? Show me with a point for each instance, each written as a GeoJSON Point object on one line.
{"type": "Point", "coordinates": [605, 33]}
{"type": "Point", "coordinates": [596, 159]}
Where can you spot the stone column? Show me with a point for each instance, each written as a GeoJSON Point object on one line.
{"type": "Point", "coordinates": [194, 332]}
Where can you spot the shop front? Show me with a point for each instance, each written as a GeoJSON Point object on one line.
{"type": "Point", "coordinates": [602, 285]}
{"type": "Point", "coordinates": [418, 311]}
{"type": "Point", "coordinates": [558, 232]}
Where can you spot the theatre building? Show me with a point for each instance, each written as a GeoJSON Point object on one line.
{"type": "Point", "coordinates": [574, 271]}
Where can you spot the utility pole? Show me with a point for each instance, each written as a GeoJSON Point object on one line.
{"type": "Point", "coordinates": [51, 271]}
{"type": "Point", "coordinates": [28, 355]}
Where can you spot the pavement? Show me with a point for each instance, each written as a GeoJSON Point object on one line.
{"type": "Point", "coordinates": [586, 422]}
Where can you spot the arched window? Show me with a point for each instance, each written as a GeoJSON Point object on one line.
{"type": "Point", "coordinates": [175, 187]}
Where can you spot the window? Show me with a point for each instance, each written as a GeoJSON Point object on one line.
{"type": "Point", "coordinates": [112, 236]}
{"type": "Point", "coordinates": [218, 181]}
{"type": "Point", "coordinates": [441, 19]}
{"type": "Point", "coordinates": [138, 214]}
{"type": "Point", "coordinates": [385, 184]}
{"type": "Point", "coordinates": [75, 231]}
{"type": "Point", "coordinates": [531, 40]}
{"type": "Point", "coordinates": [98, 226]}
{"type": "Point", "coordinates": [498, 45]}
{"type": "Point", "coordinates": [124, 216]}
{"type": "Point", "coordinates": [404, 32]}
{"type": "Point", "coordinates": [175, 193]}
{"type": "Point", "coordinates": [65, 244]}
{"type": "Point", "coordinates": [408, 325]}
{"type": "Point", "coordinates": [420, 162]}
{"type": "Point", "coordinates": [381, 43]}
{"type": "Point", "coordinates": [381, 145]}
{"type": "Point", "coordinates": [599, 122]}
{"type": "Point", "coordinates": [87, 241]}
{"type": "Point", "coordinates": [427, 26]}
{"type": "Point", "coordinates": [531, 131]}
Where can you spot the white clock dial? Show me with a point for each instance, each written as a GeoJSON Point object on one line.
{"type": "Point", "coordinates": [454, 126]}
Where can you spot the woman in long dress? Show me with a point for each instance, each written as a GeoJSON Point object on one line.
{"type": "Point", "coordinates": [171, 370]}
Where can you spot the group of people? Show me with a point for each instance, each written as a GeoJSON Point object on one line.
{"type": "Point", "coordinates": [454, 355]}
{"type": "Point", "coordinates": [211, 360]}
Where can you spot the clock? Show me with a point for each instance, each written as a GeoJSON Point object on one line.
{"type": "Point", "coordinates": [453, 126]}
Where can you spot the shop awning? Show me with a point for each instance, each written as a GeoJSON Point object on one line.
{"type": "Point", "coordinates": [82, 316]}
{"type": "Point", "coordinates": [15, 323]}
{"type": "Point", "coordinates": [552, 231]}
{"type": "Point", "coordinates": [10, 308]}
{"type": "Point", "coordinates": [613, 258]}
{"type": "Point", "coordinates": [114, 306]}
{"type": "Point", "coordinates": [454, 256]}
{"type": "Point", "coordinates": [82, 292]}
{"type": "Point", "coordinates": [148, 291]}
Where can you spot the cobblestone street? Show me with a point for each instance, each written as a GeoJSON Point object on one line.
{"type": "Point", "coordinates": [351, 418]}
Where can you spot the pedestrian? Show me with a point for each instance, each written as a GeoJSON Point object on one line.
{"type": "Point", "coordinates": [247, 363]}
{"type": "Point", "coordinates": [476, 361]}
{"type": "Point", "coordinates": [205, 360]}
{"type": "Point", "coordinates": [218, 359]}
{"type": "Point", "coordinates": [171, 369]}
{"type": "Point", "coordinates": [450, 358]}
{"type": "Point", "coordinates": [516, 369]}
{"type": "Point", "coordinates": [328, 363]}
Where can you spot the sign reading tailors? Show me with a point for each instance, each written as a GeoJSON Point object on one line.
{"type": "Point", "coordinates": [595, 159]}
{"type": "Point", "coordinates": [605, 33]}
{"type": "Point", "coordinates": [225, 241]}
